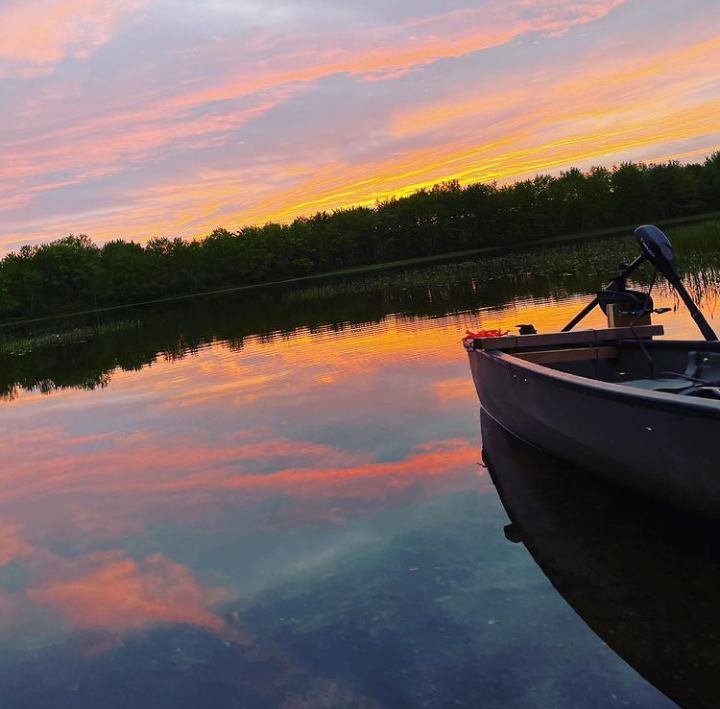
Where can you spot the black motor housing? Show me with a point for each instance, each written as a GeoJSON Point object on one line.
{"type": "Point", "coordinates": [658, 250]}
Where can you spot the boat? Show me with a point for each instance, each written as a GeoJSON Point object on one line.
{"type": "Point", "coordinates": [641, 574]}
{"type": "Point", "coordinates": [640, 411]}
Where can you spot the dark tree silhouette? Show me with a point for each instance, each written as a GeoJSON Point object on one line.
{"type": "Point", "coordinates": [72, 273]}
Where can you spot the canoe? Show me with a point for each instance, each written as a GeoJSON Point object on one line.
{"type": "Point", "coordinates": [642, 575]}
{"type": "Point", "coordinates": [639, 411]}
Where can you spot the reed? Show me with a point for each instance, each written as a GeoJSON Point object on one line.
{"type": "Point", "coordinates": [696, 238]}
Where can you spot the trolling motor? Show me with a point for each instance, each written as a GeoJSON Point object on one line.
{"type": "Point", "coordinates": [628, 307]}
{"type": "Point", "coordinates": [656, 248]}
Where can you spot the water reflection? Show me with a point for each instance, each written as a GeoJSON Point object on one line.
{"type": "Point", "coordinates": [92, 350]}
{"type": "Point", "coordinates": [643, 576]}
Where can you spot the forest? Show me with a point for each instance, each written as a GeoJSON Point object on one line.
{"type": "Point", "coordinates": [73, 273]}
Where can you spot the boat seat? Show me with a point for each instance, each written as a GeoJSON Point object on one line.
{"type": "Point", "coordinates": [701, 367]}
{"type": "Point", "coordinates": [704, 365]}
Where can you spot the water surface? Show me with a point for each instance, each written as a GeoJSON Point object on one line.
{"type": "Point", "coordinates": [278, 500]}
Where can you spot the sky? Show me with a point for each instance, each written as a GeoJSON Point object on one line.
{"type": "Point", "coordinates": [136, 119]}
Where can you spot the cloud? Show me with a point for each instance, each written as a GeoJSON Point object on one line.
{"type": "Point", "coordinates": [390, 50]}
{"type": "Point", "coordinates": [296, 469]}
{"type": "Point", "coordinates": [116, 594]}
{"type": "Point", "coordinates": [174, 107]}
{"type": "Point", "coordinates": [104, 591]}
{"type": "Point", "coordinates": [34, 36]}
{"type": "Point", "coordinates": [11, 544]}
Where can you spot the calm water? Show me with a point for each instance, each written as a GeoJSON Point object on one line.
{"type": "Point", "coordinates": [279, 501]}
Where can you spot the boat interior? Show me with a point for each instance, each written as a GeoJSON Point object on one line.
{"type": "Point", "coordinates": [621, 355]}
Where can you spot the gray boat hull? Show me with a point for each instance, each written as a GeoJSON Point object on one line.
{"type": "Point", "coordinates": [661, 444]}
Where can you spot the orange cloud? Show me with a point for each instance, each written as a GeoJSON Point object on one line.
{"type": "Point", "coordinates": [123, 594]}
{"type": "Point", "coordinates": [188, 468]}
{"type": "Point", "coordinates": [436, 460]}
{"type": "Point", "coordinates": [539, 127]}
{"type": "Point", "coordinates": [45, 31]}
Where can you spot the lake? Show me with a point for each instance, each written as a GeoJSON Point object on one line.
{"type": "Point", "coordinates": [278, 499]}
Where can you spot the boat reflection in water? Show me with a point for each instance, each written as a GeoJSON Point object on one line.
{"type": "Point", "coordinates": [643, 576]}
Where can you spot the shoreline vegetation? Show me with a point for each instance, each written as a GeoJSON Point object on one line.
{"type": "Point", "coordinates": [86, 352]}
{"type": "Point", "coordinates": [445, 223]}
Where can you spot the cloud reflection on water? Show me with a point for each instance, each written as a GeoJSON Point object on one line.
{"type": "Point", "coordinates": [202, 444]}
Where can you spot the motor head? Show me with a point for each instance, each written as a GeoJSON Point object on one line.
{"type": "Point", "coordinates": [656, 247]}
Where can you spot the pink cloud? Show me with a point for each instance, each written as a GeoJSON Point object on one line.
{"type": "Point", "coordinates": [391, 50]}
{"type": "Point", "coordinates": [314, 470]}
{"type": "Point", "coordinates": [11, 544]}
{"type": "Point", "coordinates": [40, 34]}
{"type": "Point", "coordinates": [116, 594]}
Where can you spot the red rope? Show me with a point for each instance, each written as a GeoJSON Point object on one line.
{"type": "Point", "coordinates": [486, 333]}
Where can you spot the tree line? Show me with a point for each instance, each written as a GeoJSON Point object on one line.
{"type": "Point", "coordinates": [121, 340]}
{"type": "Point", "coordinates": [73, 273]}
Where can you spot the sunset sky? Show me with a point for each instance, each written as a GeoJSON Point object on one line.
{"type": "Point", "coordinates": [145, 118]}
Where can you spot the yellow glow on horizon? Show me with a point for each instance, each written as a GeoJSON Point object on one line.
{"type": "Point", "coordinates": [485, 163]}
